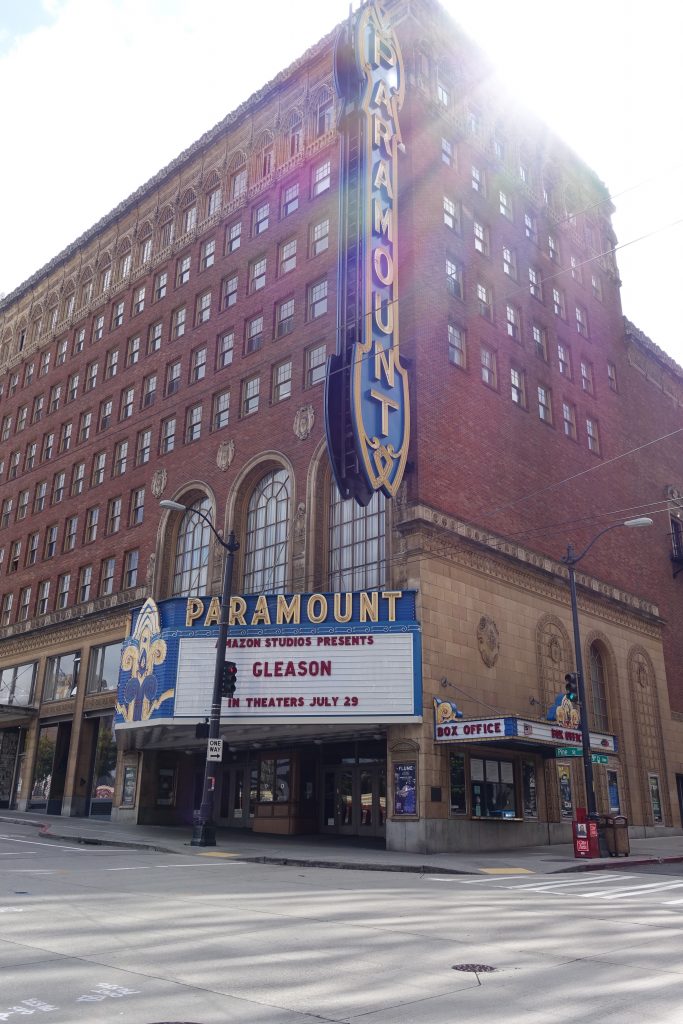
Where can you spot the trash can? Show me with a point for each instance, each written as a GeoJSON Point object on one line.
{"type": "Point", "coordinates": [616, 835]}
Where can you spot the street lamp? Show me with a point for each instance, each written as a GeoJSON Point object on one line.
{"type": "Point", "coordinates": [571, 560]}
{"type": "Point", "coordinates": [204, 832]}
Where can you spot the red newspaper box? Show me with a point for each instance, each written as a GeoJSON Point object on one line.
{"type": "Point", "coordinates": [585, 835]}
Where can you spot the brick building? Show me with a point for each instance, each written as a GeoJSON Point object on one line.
{"type": "Point", "coordinates": [178, 350]}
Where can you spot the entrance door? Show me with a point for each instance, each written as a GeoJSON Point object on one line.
{"type": "Point", "coordinates": [238, 795]}
{"type": "Point", "coordinates": [679, 787]}
{"type": "Point", "coordinates": [355, 799]}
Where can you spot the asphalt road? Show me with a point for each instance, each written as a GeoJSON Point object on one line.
{"type": "Point", "coordinates": [95, 934]}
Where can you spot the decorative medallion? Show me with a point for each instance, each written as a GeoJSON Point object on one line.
{"type": "Point", "coordinates": [225, 454]}
{"type": "Point", "coordinates": [554, 649]}
{"type": "Point", "coordinates": [159, 478]}
{"type": "Point", "coordinates": [488, 640]}
{"type": "Point", "coordinates": [303, 421]}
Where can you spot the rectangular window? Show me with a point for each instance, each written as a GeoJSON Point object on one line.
{"type": "Point", "coordinates": [43, 598]}
{"type": "Point", "coordinates": [564, 360]}
{"type": "Point", "coordinates": [61, 352]}
{"type": "Point", "coordinates": [143, 448]}
{"type": "Point", "coordinates": [7, 506]}
{"type": "Point", "coordinates": [107, 576]}
{"type": "Point", "coordinates": [254, 339]}
{"type": "Point", "coordinates": [226, 347]}
{"type": "Point", "coordinates": [51, 541]}
{"type": "Point", "coordinates": [22, 416]}
{"type": "Point", "coordinates": [233, 237]}
{"type": "Point", "coordinates": [290, 199]}
{"type": "Point", "coordinates": [111, 364]}
{"type": "Point", "coordinates": [592, 435]}
{"type": "Point", "coordinates": [229, 289]}
{"type": "Point", "coordinates": [130, 569]}
{"type": "Point", "coordinates": [577, 273]}
{"type": "Point", "coordinates": [44, 364]}
{"type": "Point", "coordinates": [581, 321]}
{"type": "Point", "coordinates": [198, 365]}
{"type": "Point", "coordinates": [160, 285]}
{"type": "Point", "coordinates": [77, 479]}
{"type": "Point", "coordinates": [103, 668]}
{"type": "Point", "coordinates": [612, 376]}
{"type": "Point", "coordinates": [63, 587]}
{"type": "Point", "coordinates": [84, 583]}
{"type": "Point", "coordinates": [173, 378]}
{"type": "Point", "coordinates": [553, 249]}
{"type": "Point", "coordinates": [183, 267]}
{"type": "Point", "coordinates": [517, 387]}
{"type": "Point", "coordinates": [530, 227]}
{"type": "Point", "coordinates": [24, 604]}
{"type": "Point", "coordinates": [145, 253]}
{"type": "Point", "coordinates": [149, 390]}
{"type": "Point", "coordinates": [137, 506]}
{"type": "Point", "coordinates": [510, 263]}
{"type": "Point", "coordinates": [6, 615]}
{"type": "Point", "coordinates": [40, 497]}
{"type": "Point", "coordinates": [15, 553]}
{"type": "Point", "coordinates": [38, 408]}
{"type": "Point", "coordinates": [105, 414]}
{"type": "Point", "coordinates": [178, 322]}
{"type": "Point", "coordinates": [98, 465]}
{"type": "Point", "coordinates": [113, 516]}
{"type": "Point", "coordinates": [193, 424]}
{"type": "Point", "coordinates": [261, 218]}
{"type": "Point", "coordinates": [189, 219]}
{"type": "Point", "coordinates": [321, 180]}
{"type": "Point", "coordinates": [92, 517]}
{"type": "Point", "coordinates": [569, 420]}
{"type": "Point", "coordinates": [442, 94]}
{"type": "Point", "coordinates": [154, 337]}
{"type": "Point", "coordinates": [250, 395]}
{"type": "Point", "coordinates": [6, 427]}
{"type": "Point", "coordinates": [282, 380]}
{"type": "Point", "coordinates": [540, 339]}
{"type": "Point", "coordinates": [58, 487]}
{"type": "Point", "coordinates": [505, 205]}
{"type": "Point", "coordinates": [91, 376]}
{"type": "Point", "coordinates": [317, 300]}
{"type": "Point", "coordinates": [558, 303]}
{"type": "Point", "coordinates": [478, 180]}
{"type": "Point", "coordinates": [257, 274]}
{"type": "Point", "coordinates": [203, 308]}
{"type": "Point", "coordinates": [316, 363]}
{"type": "Point", "coordinates": [320, 237]}
{"type": "Point", "coordinates": [133, 351]}
{"type": "Point", "coordinates": [98, 327]}
{"type": "Point", "coordinates": [447, 156]}
{"type": "Point", "coordinates": [70, 533]}
{"type": "Point", "coordinates": [535, 288]}
{"type": "Point", "coordinates": [488, 366]}
{"type": "Point", "coordinates": [287, 256]}
{"type": "Point", "coordinates": [120, 458]}
{"type": "Point", "coordinates": [513, 322]}
{"type": "Point", "coordinates": [22, 508]}
{"type": "Point", "coordinates": [492, 788]}
{"type": "Point", "coordinates": [456, 346]}
{"type": "Point", "coordinates": [167, 438]}
{"type": "Point", "coordinates": [48, 447]}
{"type": "Point", "coordinates": [285, 317]}
{"type": "Point", "coordinates": [207, 254]}
{"type": "Point", "coordinates": [485, 301]}
{"type": "Point", "coordinates": [451, 214]}
{"type": "Point", "coordinates": [124, 266]}
{"type": "Point", "coordinates": [84, 426]}
{"type": "Point", "coordinates": [127, 403]}
{"type": "Point", "coordinates": [586, 377]}
{"type": "Point", "coordinates": [220, 412]}
{"type": "Point", "coordinates": [481, 238]}
{"type": "Point", "coordinates": [117, 315]}
{"type": "Point", "coordinates": [545, 409]}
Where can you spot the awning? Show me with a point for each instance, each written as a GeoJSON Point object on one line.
{"type": "Point", "coordinates": [524, 732]}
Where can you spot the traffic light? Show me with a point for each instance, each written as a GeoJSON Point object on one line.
{"type": "Point", "coordinates": [570, 684]}
{"type": "Point", "coordinates": [228, 679]}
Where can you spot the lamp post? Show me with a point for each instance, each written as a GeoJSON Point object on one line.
{"type": "Point", "coordinates": [204, 832]}
{"type": "Point", "coordinates": [571, 560]}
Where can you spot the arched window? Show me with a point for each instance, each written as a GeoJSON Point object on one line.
{"type": "Point", "coordinates": [598, 689]}
{"type": "Point", "coordinates": [356, 542]}
{"type": "Point", "coordinates": [190, 567]}
{"type": "Point", "coordinates": [265, 556]}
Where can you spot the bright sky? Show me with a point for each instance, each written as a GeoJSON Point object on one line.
{"type": "Point", "coordinates": [98, 95]}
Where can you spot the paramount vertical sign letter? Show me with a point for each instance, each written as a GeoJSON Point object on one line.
{"type": "Point", "coordinates": [367, 400]}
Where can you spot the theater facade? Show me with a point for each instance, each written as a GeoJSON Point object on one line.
{"type": "Point", "coordinates": [370, 322]}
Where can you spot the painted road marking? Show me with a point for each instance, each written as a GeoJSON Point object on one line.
{"type": "Point", "coordinates": [217, 853]}
{"type": "Point", "coordinates": [32, 842]}
{"type": "Point", "coordinates": [143, 867]}
{"type": "Point", "coordinates": [566, 883]}
{"type": "Point", "coordinates": [506, 871]}
{"type": "Point", "coordinates": [640, 890]}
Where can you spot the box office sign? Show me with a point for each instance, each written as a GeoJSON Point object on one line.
{"type": "Point", "coordinates": [302, 657]}
{"type": "Point", "coordinates": [450, 729]}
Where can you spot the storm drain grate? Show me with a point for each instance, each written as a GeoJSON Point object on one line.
{"type": "Point", "coordinates": [474, 968]}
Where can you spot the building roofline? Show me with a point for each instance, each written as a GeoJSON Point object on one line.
{"type": "Point", "coordinates": [643, 341]}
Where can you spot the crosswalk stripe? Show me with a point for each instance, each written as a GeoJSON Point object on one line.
{"type": "Point", "coordinates": [565, 884]}
{"type": "Point", "coordinates": [643, 890]}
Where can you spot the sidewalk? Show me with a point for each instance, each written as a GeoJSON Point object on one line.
{"type": "Point", "coordinates": [332, 852]}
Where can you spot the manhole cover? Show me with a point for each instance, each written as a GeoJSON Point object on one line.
{"type": "Point", "coordinates": [474, 968]}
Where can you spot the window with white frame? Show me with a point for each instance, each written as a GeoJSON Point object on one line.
{"type": "Point", "coordinates": [203, 308]}
{"type": "Point", "coordinates": [63, 587]}
{"type": "Point", "coordinates": [484, 300]}
{"type": "Point", "coordinates": [447, 152]}
{"type": "Point", "coordinates": [77, 479]}
{"type": "Point", "coordinates": [107, 572]}
{"type": "Point", "coordinates": [198, 365]}
{"type": "Point", "coordinates": [154, 336]}
{"type": "Point", "coordinates": [535, 287]}
{"type": "Point", "coordinates": [260, 218]}
{"type": "Point", "coordinates": [454, 278]}
{"type": "Point", "coordinates": [257, 274]}
{"type": "Point", "coordinates": [117, 314]}
{"type": "Point", "coordinates": [193, 424]}
{"type": "Point", "coordinates": [92, 517]}
{"type": "Point", "coordinates": [229, 289]}
{"type": "Point", "coordinates": [316, 364]}
{"type": "Point", "coordinates": [586, 377]}
{"type": "Point", "coordinates": [120, 458]}
{"type": "Point", "coordinates": [285, 317]}
{"type": "Point", "coordinates": [207, 254]}
{"type": "Point", "coordinates": [160, 285]}
{"type": "Point", "coordinates": [287, 256]}
{"type": "Point", "coordinates": [43, 598]}
{"type": "Point", "coordinates": [254, 336]}
{"type": "Point", "coordinates": [183, 268]}
{"type": "Point", "coordinates": [226, 348]}
{"type": "Point", "coordinates": [581, 321]}
{"type": "Point", "coordinates": [321, 178]}
{"type": "Point", "coordinates": [505, 205]}
{"type": "Point", "coordinates": [282, 380]}
{"type": "Point", "coordinates": [612, 376]}
{"type": "Point", "coordinates": [98, 467]}
{"type": "Point", "coordinates": [489, 373]}
{"type": "Point", "coordinates": [569, 420]}
{"type": "Point", "coordinates": [178, 322]}
{"type": "Point", "coordinates": [220, 412]}
{"type": "Point", "coordinates": [357, 543]}
{"type": "Point", "coordinates": [85, 583]}
{"type": "Point", "coordinates": [111, 364]}
{"type": "Point", "coordinates": [113, 516]}
{"type": "Point", "coordinates": [592, 435]}
{"type": "Point", "coordinates": [481, 238]}
{"type": "Point", "coordinates": [251, 388]}
{"type": "Point", "coordinates": [133, 351]}
{"type": "Point", "coordinates": [513, 322]}
{"type": "Point", "coordinates": [290, 199]}
{"type": "Point", "coordinates": [173, 371]}
{"type": "Point", "coordinates": [214, 201]}
{"type": "Point", "coordinates": [545, 409]}
{"type": "Point", "coordinates": [131, 562]}
{"type": "Point", "coordinates": [167, 437]}
{"type": "Point", "coordinates": [559, 308]}
{"type": "Point", "coordinates": [517, 387]}
{"type": "Point", "coordinates": [478, 180]}
{"type": "Point", "coordinates": [233, 237]}
{"type": "Point", "coordinates": [451, 214]}
{"type": "Point", "coordinates": [320, 237]}
{"type": "Point", "coordinates": [267, 533]}
{"type": "Point", "coordinates": [137, 506]}
{"type": "Point", "coordinates": [143, 448]}
{"type": "Point", "coordinates": [191, 560]}
{"type": "Point", "coordinates": [70, 533]}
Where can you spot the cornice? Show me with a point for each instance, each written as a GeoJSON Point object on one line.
{"type": "Point", "coordinates": [73, 629]}
{"type": "Point", "coordinates": [494, 556]}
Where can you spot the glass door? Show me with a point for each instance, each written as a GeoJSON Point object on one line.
{"type": "Point", "coordinates": [237, 796]}
{"type": "Point", "coordinates": [355, 799]}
